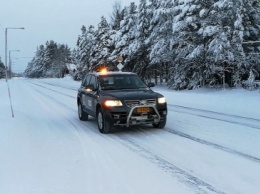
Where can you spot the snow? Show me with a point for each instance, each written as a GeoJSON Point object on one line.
{"type": "Point", "coordinates": [208, 31]}
{"type": "Point", "coordinates": [71, 67]}
{"type": "Point", "coordinates": [202, 12]}
{"type": "Point", "coordinates": [210, 144]}
{"type": "Point", "coordinates": [220, 3]}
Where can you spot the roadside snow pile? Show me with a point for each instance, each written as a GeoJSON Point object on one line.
{"type": "Point", "coordinates": [68, 77]}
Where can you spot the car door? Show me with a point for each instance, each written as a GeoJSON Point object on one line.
{"type": "Point", "coordinates": [83, 92]}
{"type": "Point", "coordinates": [91, 95]}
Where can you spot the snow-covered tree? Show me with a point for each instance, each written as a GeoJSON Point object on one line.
{"type": "Point", "coordinates": [138, 49]}
{"type": "Point", "coordinates": [187, 43]}
{"type": "Point", "coordinates": [208, 41]}
{"type": "Point", "coordinates": [2, 69]}
{"type": "Point", "coordinates": [37, 68]}
{"type": "Point", "coordinates": [85, 44]}
{"type": "Point", "coordinates": [126, 35]}
{"type": "Point", "coordinates": [161, 31]}
{"type": "Point", "coordinates": [49, 60]}
{"type": "Point", "coordinates": [237, 21]}
{"type": "Point", "coordinates": [104, 45]}
{"type": "Point", "coordinates": [160, 36]}
{"type": "Point", "coordinates": [117, 16]}
{"type": "Point", "coordinates": [251, 23]}
{"type": "Point", "coordinates": [194, 43]}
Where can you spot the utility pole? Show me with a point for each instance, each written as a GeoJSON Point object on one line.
{"type": "Point", "coordinates": [22, 28]}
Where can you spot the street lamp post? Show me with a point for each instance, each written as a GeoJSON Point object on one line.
{"type": "Point", "coordinates": [6, 29]}
{"type": "Point", "coordinates": [10, 63]}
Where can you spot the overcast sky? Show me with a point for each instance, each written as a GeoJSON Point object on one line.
{"type": "Point", "coordinates": [43, 20]}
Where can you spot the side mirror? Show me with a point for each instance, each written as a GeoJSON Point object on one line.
{"type": "Point", "coordinates": [90, 88]}
{"type": "Point", "coordinates": [151, 85]}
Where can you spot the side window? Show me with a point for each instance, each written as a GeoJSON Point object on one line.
{"type": "Point", "coordinates": [93, 82]}
{"type": "Point", "coordinates": [86, 80]}
{"type": "Point", "coordinates": [83, 80]}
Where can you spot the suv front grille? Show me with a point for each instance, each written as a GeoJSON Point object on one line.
{"type": "Point", "coordinates": [133, 103]}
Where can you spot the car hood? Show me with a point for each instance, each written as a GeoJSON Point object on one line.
{"type": "Point", "coordinates": [131, 94]}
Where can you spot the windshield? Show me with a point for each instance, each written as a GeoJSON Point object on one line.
{"type": "Point", "coordinates": [117, 82]}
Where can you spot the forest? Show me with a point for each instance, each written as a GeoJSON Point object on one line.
{"type": "Point", "coordinates": [2, 69]}
{"type": "Point", "coordinates": [186, 44]}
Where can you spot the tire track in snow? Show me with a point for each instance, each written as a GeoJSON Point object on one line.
{"type": "Point", "coordinates": [188, 179]}
{"type": "Point", "coordinates": [180, 134]}
{"type": "Point", "coordinates": [53, 90]}
{"type": "Point", "coordinates": [59, 85]}
{"type": "Point", "coordinates": [234, 119]}
{"type": "Point", "coordinates": [172, 131]}
{"type": "Point", "coordinates": [194, 111]}
{"type": "Point", "coordinates": [77, 129]}
{"type": "Point", "coordinates": [214, 145]}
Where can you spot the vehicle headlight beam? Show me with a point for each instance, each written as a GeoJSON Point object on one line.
{"type": "Point", "coordinates": [112, 103]}
{"type": "Point", "coordinates": [162, 100]}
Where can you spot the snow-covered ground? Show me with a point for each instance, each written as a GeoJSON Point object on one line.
{"type": "Point", "coordinates": [211, 144]}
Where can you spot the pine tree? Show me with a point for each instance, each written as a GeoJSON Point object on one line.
{"type": "Point", "coordinates": [104, 45]}
{"type": "Point", "coordinates": [161, 31]}
{"type": "Point", "coordinates": [139, 48]}
{"type": "Point", "coordinates": [237, 22]}
{"type": "Point", "coordinates": [36, 68]}
{"type": "Point", "coordinates": [117, 16]}
{"type": "Point", "coordinates": [2, 69]}
{"type": "Point", "coordinates": [208, 41]}
{"type": "Point", "coordinates": [126, 35]}
{"type": "Point", "coordinates": [50, 61]}
{"type": "Point", "coordinates": [251, 23]}
{"type": "Point", "coordinates": [188, 44]}
{"type": "Point", "coordinates": [160, 37]}
{"type": "Point", "coordinates": [200, 42]}
{"type": "Point", "coordinates": [85, 44]}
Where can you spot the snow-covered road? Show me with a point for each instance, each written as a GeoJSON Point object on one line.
{"type": "Point", "coordinates": [209, 145]}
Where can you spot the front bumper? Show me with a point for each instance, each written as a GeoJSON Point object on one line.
{"type": "Point", "coordinates": [127, 117]}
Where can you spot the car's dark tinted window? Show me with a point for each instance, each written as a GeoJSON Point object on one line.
{"type": "Point", "coordinates": [115, 82]}
{"type": "Point", "coordinates": [93, 82]}
{"type": "Point", "coordinates": [86, 80]}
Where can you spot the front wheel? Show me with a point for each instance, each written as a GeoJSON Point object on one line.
{"type": "Point", "coordinates": [161, 124]}
{"type": "Point", "coordinates": [103, 125]}
{"type": "Point", "coordinates": [83, 116]}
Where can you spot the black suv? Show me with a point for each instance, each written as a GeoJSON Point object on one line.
{"type": "Point", "coordinates": [121, 99]}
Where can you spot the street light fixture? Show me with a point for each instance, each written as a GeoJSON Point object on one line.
{"type": "Point", "coordinates": [6, 29]}
{"type": "Point", "coordinates": [10, 63]}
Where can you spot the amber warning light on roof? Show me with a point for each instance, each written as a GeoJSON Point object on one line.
{"type": "Point", "coordinates": [103, 70]}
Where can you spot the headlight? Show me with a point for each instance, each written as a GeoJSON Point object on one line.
{"type": "Point", "coordinates": [113, 103]}
{"type": "Point", "coordinates": [162, 100]}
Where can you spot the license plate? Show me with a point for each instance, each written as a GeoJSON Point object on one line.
{"type": "Point", "coordinates": [143, 110]}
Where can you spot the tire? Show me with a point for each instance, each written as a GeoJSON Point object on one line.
{"type": "Point", "coordinates": [103, 125]}
{"type": "Point", "coordinates": [83, 116]}
{"type": "Point", "coordinates": [161, 124]}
